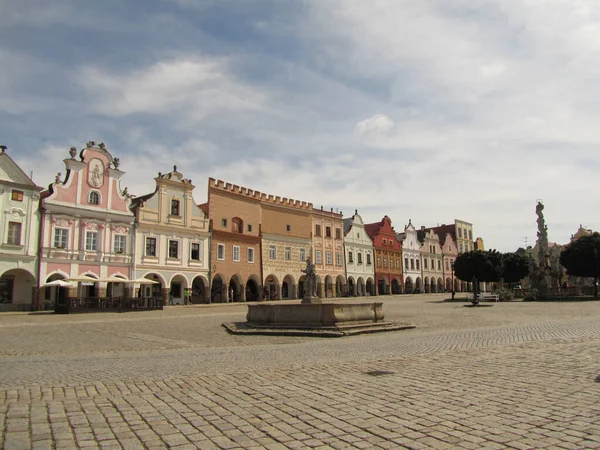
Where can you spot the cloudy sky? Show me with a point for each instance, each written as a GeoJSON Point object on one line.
{"type": "Point", "coordinates": [427, 110]}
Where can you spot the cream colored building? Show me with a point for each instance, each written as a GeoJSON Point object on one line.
{"type": "Point", "coordinates": [431, 261]}
{"type": "Point", "coordinates": [411, 258]}
{"type": "Point", "coordinates": [359, 255]}
{"type": "Point", "coordinates": [172, 241]}
{"type": "Point", "coordinates": [20, 222]}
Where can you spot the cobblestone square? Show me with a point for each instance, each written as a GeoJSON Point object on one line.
{"type": "Point", "coordinates": [515, 375]}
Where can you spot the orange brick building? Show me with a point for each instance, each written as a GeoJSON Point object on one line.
{"type": "Point", "coordinates": [388, 257]}
{"type": "Point", "coordinates": [328, 253]}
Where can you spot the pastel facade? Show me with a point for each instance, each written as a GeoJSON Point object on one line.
{"type": "Point", "coordinates": [20, 222]}
{"type": "Point", "coordinates": [172, 241]}
{"type": "Point", "coordinates": [388, 257]}
{"type": "Point", "coordinates": [359, 255]}
{"type": "Point", "coordinates": [431, 261]}
{"type": "Point", "coordinates": [87, 227]}
{"type": "Point", "coordinates": [411, 257]}
{"type": "Point", "coordinates": [235, 253]}
{"type": "Point", "coordinates": [449, 254]}
{"type": "Point", "coordinates": [464, 236]}
{"type": "Point", "coordinates": [286, 243]}
{"type": "Point", "coordinates": [328, 253]}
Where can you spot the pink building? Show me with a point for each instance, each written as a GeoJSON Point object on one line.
{"type": "Point", "coordinates": [87, 227]}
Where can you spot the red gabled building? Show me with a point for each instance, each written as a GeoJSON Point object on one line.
{"type": "Point", "coordinates": [388, 257]}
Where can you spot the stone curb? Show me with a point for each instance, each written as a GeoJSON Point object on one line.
{"type": "Point", "coordinates": [244, 328]}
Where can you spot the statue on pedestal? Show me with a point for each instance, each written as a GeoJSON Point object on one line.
{"type": "Point", "coordinates": [310, 282]}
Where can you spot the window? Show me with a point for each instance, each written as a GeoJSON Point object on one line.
{"type": "Point", "coordinates": [338, 233]}
{"type": "Point", "coordinates": [302, 254]}
{"type": "Point", "coordinates": [224, 222]}
{"type": "Point", "coordinates": [470, 235]}
{"type": "Point", "coordinates": [412, 264]}
{"type": "Point", "coordinates": [432, 264]}
{"type": "Point", "coordinates": [174, 249]}
{"type": "Point", "coordinates": [237, 225]}
{"type": "Point", "coordinates": [61, 236]}
{"type": "Point", "coordinates": [91, 241]}
{"type": "Point", "coordinates": [249, 228]}
{"type": "Point", "coordinates": [460, 248]}
{"type": "Point", "coordinates": [350, 260]}
{"type": "Point", "coordinates": [391, 263]}
{"type": "Point", "coordinates": [120, 243]}
{"type": "Point", "coordinates": [17, 196]}
{"type": "Point", "coordinates": [14, 233]}
{"type": "Point", "coordinates": [439, 265]}
{"type": "Point", "coordinates": [447, 265]}
{"type": "Point", "coordinates": [318, 257]}
{"type": "Point", "coordinates": [272, 252]}
{"type": "Point", "coordinates": [368, 259]}
{"type": "Point", "coordinates": [288, 228]}
{"type": "Point", "coordinates": [195, 252]}
{"type": "Point", "coordinates": [406, 263]}
{"type": "Point", "coordinates": [425, 263]}
{"type": "Point", "coordinates": [94, 198]}
{"type": "Point", "coordinates": [250, 255]}
{"type": "Point", "coordinates": [385, 262]}
{"type": "Point", "coordinates": [338, 259]}
{"type": "Point", "coordinates": [328, 232]}
{"type": "Point", "coordinates": [418, 263]}
{"type": "Point", "coordinates": [359, 258]}
{"type": "Point", "coordinates": [288, 254]}
{"type": "Point", "coordinates": [460, 233]}
{"type": "Point", "coordinates": [329, 257]}
{"type": "Point", "coordinates": [236, 253]}
{"type": "Point", "coordinates": [221, 252]}
{"type": "Point", "coordinates": [150, 246]}
{"type": "Point", "coordinates": [175, 207]}
{"type": "Point", "coordinates": [317, 230]}
{"type": "Point", "coordinates": [384, 242]}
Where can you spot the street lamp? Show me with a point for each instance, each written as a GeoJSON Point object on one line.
{"type": "Point", "coordinates": [452, 278]}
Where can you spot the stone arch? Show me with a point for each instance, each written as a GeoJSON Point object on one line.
{"type": "Point", "coordinates": [17, 287]}
{"type": "Point", "coordinates": [199, 293]}
{"type": "Point", "coordinates": [448, 284]}
{"type": "Point", "coordinates": [88, 290]}
{"type": "Point", "coordinates": [396, 287]}
{"type": "Point", "coordinates": [433, 288]}
{"type": "Point", "coordinates": [288, 287]}
{"type": "Point", "coordinates": [320, 289]}
{"type": "Point", "coordinates": [218, 289]}
{"type": "Point", "coordinates": [418, 286]}
{"type": "Point", "coordinates": [329, 286]}
{"type": "Point", "coordinates": [408, 285]}
{"type": "Point", "coordinates": [370, 287]}
{"type": "Point", "coordinates": [116, 289]}
{"type": "Point", "coordinates": [234, 289]}
{"type": "Point", "coordinates": [382, 286]}
{"type": "Point", "coordinates": [156, 290]}
{"type": "Point", "coordinates": [177, 286]}
{"type": "Point", "coordinates": [51, 294]}
{"type": "Point", "coordinates": [301, 286]}
{"type": "Point", "coordinates": [340, 286]}
{"type": "Point", "coordinates": [272, 288]}
{"type": "Point", "coordinates": [253, 289]}
{"type": "Point", "coordinates": [426, 285]}
{"type": "Point", "coordinates": [352, 287]}
{"type": "Point", "coordinates": [360, 287]}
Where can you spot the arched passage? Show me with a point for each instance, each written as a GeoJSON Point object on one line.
{"type": "Point", "coordinates": [352, 292]}
{"type": "Point", "coordinates": [426, 285]}
{"type": "Point", "coordinates": [370, 287]}
{"type": "Point", "coordinates": [234, 291]}
{"type": "Point", "coordinates": [177, 288]}
{"type": "Point", "coordinates": [339, 286]}
{"type": "Point", "coordinates": [156, 289]}
{"type": "Point", "coordinates": [199, 286]}
{"type": "Point", "coordinates": [252, 289]}
{"type": "Point", "coordinates": [440, 285]}
{"type": "Point", "coordinates": [115, 288]}
{"type": "Point", "coordinates": [408, 285]}
{"type": "Point", "coordinates": [17, 289]}
{"type": "Point", "coordinates": [456, 285]}
{"type": "Point", "coordinates": [448, 285]}
{"type": "Point", "coordinates": [432, 288]}
{"type": "Point", "coordinates": [52, 294]}
{"type": "Point", "coordinates": [382, 286]}
{"type": "Point", "coordinates": [288, 288]}
{"type": "Point", "coordinates": [271, 289]}
{"type": "Point", "coordinates": [329, 288]}
{"type": "Point", "coordinates": [361, 290]}
{"type": "Point", "coordinates": [396, 286]}
{"type": "Point", "coordinates": [217, 289]}
{"type": "Point", "coordinates": [418, 285]}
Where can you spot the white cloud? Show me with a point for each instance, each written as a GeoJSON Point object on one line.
{"type": "Point", "coordinates": [188, 85]}
{"type": "Point", "coordinates": [379, 123]}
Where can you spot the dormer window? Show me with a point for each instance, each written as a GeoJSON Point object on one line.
{"type": "Point", "coordinates": [94, 198]}
{"type": "Point", "coordinates": [175, 207]}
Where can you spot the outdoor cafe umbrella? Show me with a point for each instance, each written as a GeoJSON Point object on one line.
{"type": "Point", "coordinates": [60, 283]}
{"type": "Point", "coordinates": [144, 281]}
{"type": "Point", "coordinates": [82, 279]}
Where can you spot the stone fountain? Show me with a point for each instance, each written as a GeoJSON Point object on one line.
{"type": "Point", "coordinates": [314, 316]}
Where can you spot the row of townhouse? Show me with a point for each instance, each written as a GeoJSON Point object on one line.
{"type": "Point", "coordinates": [241, 245]}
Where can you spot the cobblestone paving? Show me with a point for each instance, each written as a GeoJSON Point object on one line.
{"type": "Point", "coordinates": [516, 375]}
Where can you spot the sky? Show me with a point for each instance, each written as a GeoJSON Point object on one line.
{"type": "Point", "coordinates": [422, 110]}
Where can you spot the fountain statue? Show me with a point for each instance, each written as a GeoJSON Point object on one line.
{"type": "Point", "coordinates": [539, 264]}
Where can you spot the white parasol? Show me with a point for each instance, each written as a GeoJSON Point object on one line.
{"type": "Point", "coordinates": [60, 283]}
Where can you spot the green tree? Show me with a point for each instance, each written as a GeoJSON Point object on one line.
{"type": "Point", "coordinates": [581, 258]}
{"type": "Point", "coordinates": [515, 267]}
{"type": "Point", "coordinates": [482, 265]}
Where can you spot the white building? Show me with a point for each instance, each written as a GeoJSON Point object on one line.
{"type": "Point", "coordinates": [172, 241]}
{"type": "Point", "coordinates": [20, 222]}
{"type": "Point", "coordinates": [411, 258]}
{"type": "Point", "coordinates": [360, 269]}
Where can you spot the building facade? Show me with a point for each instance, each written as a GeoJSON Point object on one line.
{"type": "Point", "coordinates": [235, 253]}
{"type": "Point", "coordinates": [449, 254]}
{"type": "Point", "coordinates": [359, 255]}
{"type": "Point", "coordinates": [388, 257]}
{"type": "Point", "coordinates": [172, 242]}
{"type": "Point", "coordinates": [87, 227]}
{"type": "Point", "coordinates": [285, 231]}
{"type": "Point", "coordinates": [464, 236]}
{"type": "Point", "coordinates": [328, 249]}
{"type": "Point", "coordinates": [431, 261]}
{"type": "Point", "coordinates": [411, 257]}
{"type": "Point", "coordinates": [19, 200]}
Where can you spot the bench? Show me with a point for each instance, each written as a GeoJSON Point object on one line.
{"type": "Point", "coordinates": [485, 296]}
